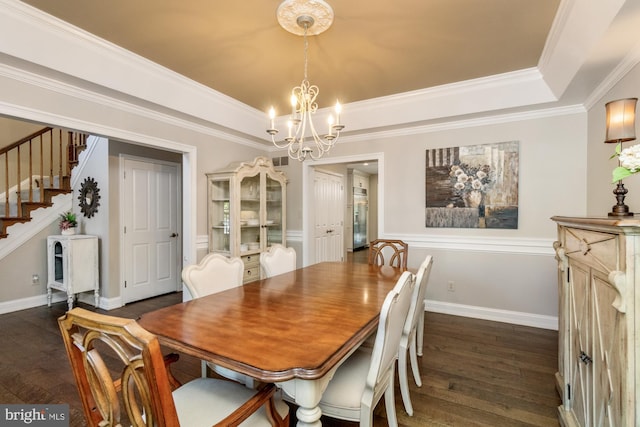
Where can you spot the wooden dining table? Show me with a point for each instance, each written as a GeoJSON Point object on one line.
{"type": "Point", "coordinates": [293, 329]}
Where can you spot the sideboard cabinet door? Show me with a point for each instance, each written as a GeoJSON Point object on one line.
{"type": "Point", "coordinates": [598, 319]}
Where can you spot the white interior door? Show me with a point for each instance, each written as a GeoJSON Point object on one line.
{"type": "Point", "coordinates": [151, 220]}
{"type": "Point", "coordinates": [329, 215]}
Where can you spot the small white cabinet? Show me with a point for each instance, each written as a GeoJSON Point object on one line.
{"type": "Point", "coordinates": [599, 321]}
{"type": "Point", "coordinates": [72, 266]}
{"type": "Point", "coordinates": [246, 211]}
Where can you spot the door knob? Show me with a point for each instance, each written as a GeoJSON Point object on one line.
{"type": "Point", "coordinates": [173, 235]}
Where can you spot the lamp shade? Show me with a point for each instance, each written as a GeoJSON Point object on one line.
{"type": "Point", "coordinates": [621, 120]}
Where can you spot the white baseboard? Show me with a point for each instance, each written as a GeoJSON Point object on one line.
{"type": "Point", "coordinates": [40, 300]}
{"type": "Point", "coordinates": [30, 302]}
{"type": "Point", "coordinates": [496, 315]}
{"type": "Point", "coordinates": [103, 303]}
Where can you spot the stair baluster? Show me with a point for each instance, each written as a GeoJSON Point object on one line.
{"type": "Point", "coordinates": [50, 155]}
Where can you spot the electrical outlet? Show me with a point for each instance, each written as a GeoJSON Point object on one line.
{"type": "Point", "coordinates": [35, 279]}
{"type": "Point", "coordinates": [450, 286]}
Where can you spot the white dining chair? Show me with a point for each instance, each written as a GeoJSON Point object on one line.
{"type": "Point", "coordinates": [278, 260]}
{"type": "Point", "coordinates": [413, 328]}
{"type": "Point", "coordinates": [361, 381]}
{"type": "Point", "coordinates": [216, 273]}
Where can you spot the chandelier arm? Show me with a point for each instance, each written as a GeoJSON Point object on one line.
{"type": "Point", "coordinates": [284, 143]}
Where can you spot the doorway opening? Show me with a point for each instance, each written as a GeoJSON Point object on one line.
{"type": "Point", "coordinates": [375, 201]}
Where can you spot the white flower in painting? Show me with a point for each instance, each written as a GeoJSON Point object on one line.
{"type": "Point", "coordinates": [466, 178]}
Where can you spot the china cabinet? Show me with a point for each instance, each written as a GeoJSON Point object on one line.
{"type": "Point", "coordinates": [246, 211]}
{"type": "Point", "coordinates": [72, 266]}
{"type": "Point", "coordinates": [599, 321]}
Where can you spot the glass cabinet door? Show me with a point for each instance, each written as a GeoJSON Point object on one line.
{"type": "Point", "coordinates": [250, 226]}
{"type": "Point", "coordinates": [274, 215]}
{"type": "Point", "coordinates": [219, 216]}
{"type": "Point", "coordinates": [247, 211]}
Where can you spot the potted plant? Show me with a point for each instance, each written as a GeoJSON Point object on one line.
{"type": "Point", "coordinates": [68, 223]}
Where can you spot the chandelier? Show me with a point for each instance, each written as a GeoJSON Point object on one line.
{"type": "Point", "coordinates": [302, 140]}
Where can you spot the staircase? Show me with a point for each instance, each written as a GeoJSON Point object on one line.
{"type": "Point", "coordinates": [35, 169]}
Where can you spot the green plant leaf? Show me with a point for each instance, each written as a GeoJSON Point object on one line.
{"type": "Point", "coordinates": [620, 173]}
{"type": "Point", "coordinates": [617, 152]}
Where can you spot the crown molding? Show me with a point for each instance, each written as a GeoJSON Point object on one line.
{"type": "Point", "coordinates": [576, 29]}
{"type": "Point", "coordinates": [630, 60]}
{"type": "Point", "coordinates": [30, 34]}
{"type": "Point", "coordinates": [90, 68]}
{"type": "Point", "coordinates": [466, 123]}
{"type": "Point", "coordinates": [50, 84]}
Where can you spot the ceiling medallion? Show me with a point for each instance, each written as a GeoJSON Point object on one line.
{"type": "Point", "coordinates": [305, 17]}
{"type": "Point", "coordinates": [318, 10]}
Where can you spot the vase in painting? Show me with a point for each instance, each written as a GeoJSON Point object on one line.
{"type": "Point", "coordinates": [473, 199]}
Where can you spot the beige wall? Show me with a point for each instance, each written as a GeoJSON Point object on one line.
{"type": "Point", "coordinates": [17, 268]}
{"type": "Point", "coordinates": [13, 130]}
{"type": "Point", "coordinates": [552, 181]}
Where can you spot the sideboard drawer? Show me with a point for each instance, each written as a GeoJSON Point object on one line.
{"type": "Point", "coordinates": [595, 248]}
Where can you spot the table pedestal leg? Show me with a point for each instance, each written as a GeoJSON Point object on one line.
{"type": "Point", "coordinates": [308, 417]}
{"type": "Point", "coordinates": [307, 394]}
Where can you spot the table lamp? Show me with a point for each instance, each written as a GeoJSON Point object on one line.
{"type": "Point", "coordinates": [621, 127]}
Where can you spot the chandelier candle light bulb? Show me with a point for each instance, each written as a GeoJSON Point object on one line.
{"type": "Point", "coordinates": [272, 116]}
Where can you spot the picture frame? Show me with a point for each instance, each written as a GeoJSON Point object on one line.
{"type": "Point", "coordinates": [474, 186]}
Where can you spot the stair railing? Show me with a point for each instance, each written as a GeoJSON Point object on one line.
{"type": "Point", "coordinates": [27, 160]}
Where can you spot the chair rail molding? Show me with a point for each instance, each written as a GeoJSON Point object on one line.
{"type": "Point", "coordinates": [512, 245]}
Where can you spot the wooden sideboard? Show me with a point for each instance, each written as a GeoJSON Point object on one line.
{"type": "Point", "coordinates": [598, 364]}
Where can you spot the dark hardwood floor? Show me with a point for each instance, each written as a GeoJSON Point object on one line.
{"type": "Point", "coordinates": [474, 372]}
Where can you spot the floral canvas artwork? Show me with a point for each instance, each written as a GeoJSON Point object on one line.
{"type": "Point", "coordinates": [473, 186]}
